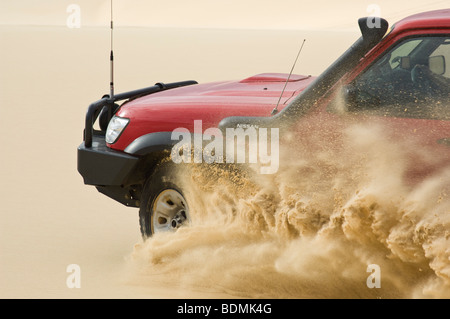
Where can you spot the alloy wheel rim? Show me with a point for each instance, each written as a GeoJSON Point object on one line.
{"type": "Point", "coordinates": [169, 211]}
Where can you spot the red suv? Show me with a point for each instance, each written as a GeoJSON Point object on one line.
{"type": "Point", "coordinates": [397, 76]}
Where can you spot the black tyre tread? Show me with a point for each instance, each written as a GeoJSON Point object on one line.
{"type": "Point", "coordinates": [163, 177]}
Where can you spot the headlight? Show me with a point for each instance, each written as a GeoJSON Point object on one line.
{"type": "Point", "coordinates": [115, 128]}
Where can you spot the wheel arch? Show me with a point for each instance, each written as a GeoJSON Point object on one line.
{"type": "Point", "coordinates": [151, 143]}
{"type": "Point", "coordinates": [152, 149]}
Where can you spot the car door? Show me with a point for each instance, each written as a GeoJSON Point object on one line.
{"type": "Point", "coordinates": [406, 92]}
{"type": "Point", "coordinates": [407, 89]}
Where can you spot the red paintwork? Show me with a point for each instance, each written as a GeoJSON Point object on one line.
{"type": "Point", "coordinates": [425, 20]}
{"type": "Point", "coordinates": [258, 95]}
{"type": "Point", "coordinates": [168, 110]}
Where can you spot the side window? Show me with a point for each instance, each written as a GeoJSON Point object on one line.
{"type": "Point", "coordinates": [411, 80]}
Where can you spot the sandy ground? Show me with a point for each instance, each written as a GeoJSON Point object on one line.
{"type": "Point", "coordinates": [49, 75]}
{"type": "Point", "coordinates": [49, 219]}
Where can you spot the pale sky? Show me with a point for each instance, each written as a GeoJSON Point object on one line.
{"type": "Point", "coordinates": [254, 14]}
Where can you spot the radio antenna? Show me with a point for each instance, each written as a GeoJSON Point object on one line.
{"type": "Point", "coordinates": [275, 110]}
{"type": "Point", "coordinates": [111, 58]}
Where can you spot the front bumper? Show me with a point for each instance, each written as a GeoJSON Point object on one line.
{"type": "Point", "coordinates": [113, 173]}
{"type": "Point", "coordinates": [110, 171]}
{"type": "Point", "coordinates": [100, 165]}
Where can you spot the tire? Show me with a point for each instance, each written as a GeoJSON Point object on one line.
{"type": "Point", "coordinates": [163, 204]}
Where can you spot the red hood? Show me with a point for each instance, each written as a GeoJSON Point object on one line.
{"type": "Point", "coordinates": [211, 102]}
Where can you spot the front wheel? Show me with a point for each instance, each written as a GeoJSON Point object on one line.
{"type": "Point", "coordinates": [163, 204]}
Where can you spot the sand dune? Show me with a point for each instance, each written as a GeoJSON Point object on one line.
{"type": "Point", "coordinates": [50, 74]}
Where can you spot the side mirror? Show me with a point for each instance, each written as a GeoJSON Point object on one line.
{"type": "Point", "coordinates": [437, 64]}
{"type": "Point", "coordinates": [405, 63]}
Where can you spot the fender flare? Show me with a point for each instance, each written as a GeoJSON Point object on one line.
{"type": "Point", "coordinates": [159, 142]}
{"type": "Point", "coordinates": [152, 142]}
